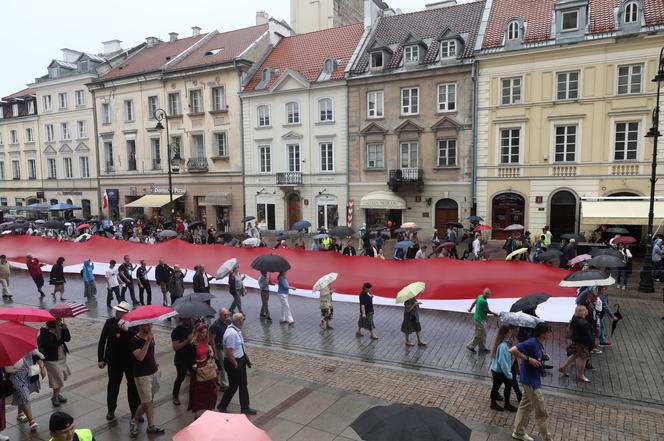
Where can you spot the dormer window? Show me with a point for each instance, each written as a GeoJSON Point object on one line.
{"type": "Point", "coordinates": [329, 66]}
{"type": "Point", "coordinates": [448, 49]}
{"type": "Point", "coordinates": [85, 66]}
{"type": "Point", "coordinates": [53, 72]}
{"type": "Point", "coordinates": [570, 21]}
{"type": "Point", "coordinates": [513, 31]}
{"type": "Point", "coordinates": [377, 59]}
{"type": "Point", "coordinates": [631, 12]}
{"type": "Point", "coordinates": [411, 54]}
{"type": "Point", "coordinates": [265, 76]}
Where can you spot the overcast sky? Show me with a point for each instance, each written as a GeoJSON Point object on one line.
{"type": "Point", "coordinates": [34, 31]}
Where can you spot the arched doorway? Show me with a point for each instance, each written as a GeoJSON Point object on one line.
{"type": "Point", "coordinates": [447, 210]}
{"type": "Point", "coordinates": [506, 209]}
{"type": "Point", "coordinates": [294, 209]}
{"type": "Point", "coordinates": [562, 213]}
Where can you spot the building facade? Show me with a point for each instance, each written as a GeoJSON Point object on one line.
{"type": "Point", "coordinates": [410, 119]}
{"type": "Point", "coordinates": [564, 103]}
{"type": "Point", "coordinates": [295, 131]}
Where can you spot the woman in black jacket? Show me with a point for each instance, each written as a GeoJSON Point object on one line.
{"type": "Point", "coordinates": [582, 342]}
{"type": "Point", "coordinates": [52, 343]}
{"type": "Point", "coordinates": [57, 278]}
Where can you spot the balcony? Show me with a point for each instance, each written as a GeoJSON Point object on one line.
{"type": "Point", "coordinates": [625, 169]}
{"type": "Point", "coordinates": [563, 170]}
{"type": "Point", "coordinates": [131, 165]}
{"type": "Point", "coordinates": [156, 164]}
{"type": "Point", "coordinates": [197, 165]}
{"type": "Point", "coordinates": [406, 176]}
{"type": "Point", "coordinates": [289, 178]}
{"type": "Point", "coordinates": [110, 168]}
{"type": "Point", "coordinates": [508, 172]}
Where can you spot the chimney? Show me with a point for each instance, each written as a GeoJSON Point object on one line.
{"type": "Point", "coordinates": [172, 36]}
{"type": "Point", "coordinates": [111, 47]}
{"type": "Point", "coordinates": [152, 41]}
{"type": "Point", "coordinates": [441, 4]}
{"type": "Point", "coordinates": [262, 17]}
{"type": "Point", "coordinates": [195, 30]}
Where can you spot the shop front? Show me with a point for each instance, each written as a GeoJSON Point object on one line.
{"type": "Point", "coordinates": [382, 206]}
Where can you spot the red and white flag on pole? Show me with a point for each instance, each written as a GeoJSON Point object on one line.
{"type": "Point", "coordinates": [105, 200]}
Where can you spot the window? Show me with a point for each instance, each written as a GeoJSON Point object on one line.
{"type": "Point", "coordinates": [13, 137]}
{"type": "Point", "coordinates": [265, 215]}
{"type": "Point", "coordinates": [19, 201]}
{"type": "Point", "coordinates": [220, 144]}
{"type": "Point", "coordinates": [64, 131]}
{"type": "Point", "coordinates": [155, 149]}
{"type": "Point", "coordinates": [218, 99]}
{"type": "Point", "coordinates": [79, 96]}
{"type": "Point", "coordinates": [2, 171]}
{"type": "Point", "coordinates": [1, 140]}
{"type": "Point", "coordinates": [377, 59]}
{"type": "Point", "coordinates": [48, 128]}
{"type": "Point", "coordinates": [174, 104]}
{"type": "Point", "coordinates": [153, 105]}
{"type": "Point", "coordinates": [513, 31]}
{"type": "Point", "coordinates": [375, 104]}
{"type": "Point", "coordinates": [129, 110]}
{"type": "Point", "coordinates": [292, 113]}
{"type": "Point", "coordinates": [108, 155]}
{"type": "Point", "coordinates": [16, 169]}
{"type": "Point", "coordinates": [511, 90]}
{"type": "Point", "coordinates": [32, 169]}
{"type": "Point", "coordinates": [376, 155]}
{"type": "Point", "coordinates": [29, 137]}
{"type": "Point", "coordinates": [328, 215]}
{"type": "Point", "coordinates": [52, 168]}
{"type": "Point", "coordinates": [31, 107]}
{"type": "Point", "coordinates": [14, 109]}
{"type": "Point", "coordinates": [410, 101]}
{"type": "Point", "coordinates": [411, 54]}
{"type": "Point", "coordinates": [629, 79]}
{"type": "Point", "coordinates": [198, 147]}
{"type": "Point", "coordinates": [105, 113]}
{"type": "Point", "coordinates": [81, 131]}
{"type": "Point", "coordinates": [176, 146]}
{"type": "Point", "coordinates": [631, 12]}
{"type": "Point", "coordinates": [69, 171]}
{"type": "Point", "coordinates": [325, 109]}
{"type": "Point", "coordinates": [3, 201]}
{"type": "Point", "coordinates": [570, 20]}
{"type": "Point", "coordinates": [266, 75]}
{"type": "Point", "coordinates": [448, 49]}
{"type": "Point", "coordinates": [447, 152]}
{"type": "Point", "coordinates": [510, 140]}
{"type": "Point", "coordinates": [627, 141]}
{"type": "Point", "coordinates": [131, 155]}
{"type": "Point", "coordinates": [85, 167]}
{"type": "Point", "coordinates": [447, 97]}
{"type": "Point", "coordinates": [409, 155]}
{"type": "Point", "coordinates": [565, 143]}
{"type": "Point", "coordinates": [46, 99]}
{"type": "Point", "coordinates": [567, 85]}
{"type": "Point", "coordinates": [265, 159]}
{"type": "Point", "coordinates": [326, 157]}
{"type": "Point", "coordinates": [62, 100]}
{"type": "Point", "coordinates": [263, 116]}
{"type": "Point", "coordinates": [293, 157]}
{"type": "Point", "coordinates": [195, 101]}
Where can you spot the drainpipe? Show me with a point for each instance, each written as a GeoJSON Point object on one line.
{"type": "Point", "coordinates": [239, 77]}
{"type": "Point", "coordinates": [348, 153]}
{"type": "Point", "coordinates": [473, 191]}
{"type": "Point", "coordinates": [97, 154]}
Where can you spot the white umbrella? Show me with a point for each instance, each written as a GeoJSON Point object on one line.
{"type": "Point", "coordinates": [83, 237]}
{"type": "Point", "coordinates": [518, 319]}
{"type": "Point", "coordinates": [579, 283]}
{"type": "Point", "coordinates": [251, 242]}
{"type": "Point", "coordinates": [324, 281]}
{"type": "Point", "coordinates": [513, 227]}
{"type": "Point", "coordinates": [409, 225]}
{"type": "Point", "coordinates": [515, 253]}
{"type": "Point", "coordinates": [226, 268]}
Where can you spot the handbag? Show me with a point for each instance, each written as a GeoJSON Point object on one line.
{"type": "Point", "coordinates": [206, 372]}
{"type": "Point", "coordinates": [33, 370]}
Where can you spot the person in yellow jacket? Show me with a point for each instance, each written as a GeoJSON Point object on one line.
{"type": "Point", "coordinates": [61, 427]}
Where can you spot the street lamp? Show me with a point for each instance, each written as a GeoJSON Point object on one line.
{"type": "Point", "coordinates": [646, 283]}
{"type": "Point", "coordinates": [159, 115]}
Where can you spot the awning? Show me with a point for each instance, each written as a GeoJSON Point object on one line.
{"type": "Point", "coordinates": [619, 212]}
{"type": "Point", "coordinates": [218, 198]}
{"type": "Point", "coordinates": [383, 200]}
{"type": "Point", "coordinates": [152, 201]}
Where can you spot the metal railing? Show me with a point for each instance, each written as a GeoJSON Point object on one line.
{"type": "Point", "coordinates": [197, 164]}
{"type": "Point", "coordinates": [289, 178]}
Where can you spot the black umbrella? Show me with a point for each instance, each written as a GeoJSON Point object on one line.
{"type": "Point", "coordinates": [402, 422]}
{"type": "Point", "coordinates": [571, 236]}
{"type": "Point", "coordinates": [548, 255]}
{"type": "Point", "coordinates": [587, 278]}
{"type": "Point", "coordinates": [618, 315]}
{"type": "Point", "coordinates": [529, 302]}
{"type": "Point", "coordinates": [455, 224]}
{"type": "Point", "coordinates": [167, 233]}
{"type": "Point", "coordinates": [247, 218]}
{"type": "Point", "coordinates": [618, 230]}
{"type": "Point", "coordinates": [341, 231]}
{"type": "Point", "coordinates": [195, 297]}
{"type": "Point", "coordinates": [227, 236]}
{"type": "Point", "coordinates": [606, 261]}
{"type": "Point", "coordinates": [270, 263]}
{"type": "Point", "coordinates": [605, 252]}
{"type": "Point", "coordinates": [475, 218]}
{"type": "Point", "coordinates": [301, 225]}
{"type": "Point", "coordinates": [196, 224]}
{"type": "Point", "coordinates": [193, 308]}
{"type": "Point", "coordinates": [56, 224]}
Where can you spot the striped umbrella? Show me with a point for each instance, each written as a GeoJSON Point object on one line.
{"type": "Point", "coordinates": [68, 309]}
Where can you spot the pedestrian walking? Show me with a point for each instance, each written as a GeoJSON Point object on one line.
{"type": "Point", "coordinates": [162, 274]}
{"type": "Point", "coordinates": [176, 283]}
{"type": "Point", "coordinates": [366, 313]}
{"type": "Point", "coordinates": [481, 306]}
{"type": "Point", "coordinates": [143, 283]}
{"type": "Point", "coordinates": [52, 342]}
{"type": "Point", "coordinates": [202, 280]}
{"type": "Point", "coordinates": [57, 278]}
{"type": "Point", "coordinates": [180, 339]}
{"type": "Point", "coordinates": [264, 285]}
{"type": "Point", "coordinates": [127, 280]}
{"type": "Point", "coordinates": [582, 342]}
{"type": "Point", "coordinates": [145, 370]}
{"type": "Point", "coordinates": [88, 275]}
{"type": "Point", "coordinates": [113, 353]}
{"type": "Point", "coordinates": [35, 271]}
{"type": "Point", "coordinates": [112, 284]}
{"type": "Point", "coordinates": [625, 271]}
{"type": "Point", "coordinates": [411, 321]}
{"type": "Point", "coordinates": [24, 377]}
{"type": "Point", "coordinates": [62, 428]}
{"type": "Point", "coordinates": [476, 247]}
{"type": "Point", "coordinates": [5, 271]}
{"type": "Point", "coordinates": [203, 385]}
{"type": "Point", "coordinates": [501, 368]}
{"type": "Point", "coordinates": [282, 291]}
{"type": "Point", "coordinates": [326, 308]}
{"type": "Point", "coordinates": [216, 334]}
{"type": "Point", "coordinates": [236, 288]}
{"type": "Point", "coordinates": [236, 362]}
{"type": "Point", "coordinates": [532, 354]}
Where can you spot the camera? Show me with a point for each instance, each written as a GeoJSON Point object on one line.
{"type": "Point", "coordinates": [543, 366]}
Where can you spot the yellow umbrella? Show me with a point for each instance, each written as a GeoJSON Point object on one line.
{"type": "Point", "coordinates": [410, 291]}
{"type": "Point", "coordinates": [515, 253]}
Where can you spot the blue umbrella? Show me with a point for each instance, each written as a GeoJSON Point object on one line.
{"type": "Point", "coordinates": [40, 206]}
{"type": "Point", "coordinates": [63, 207]}
{"type": "Point", "coordinates": [320, 236]}
{"type": "Point", "coordinates": [404, 244]}
{"type": "Point", "coordinates": [400, 230]}
{"type": "Point", "coordinates": [475, 218]}
{"type": "Point", "coordinates": [301, 225]}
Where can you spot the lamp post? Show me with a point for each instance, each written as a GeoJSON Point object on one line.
{"type": "Point", "coordinates": [646, 283]}
{"type": "Point", "coordinates": [159, 115]}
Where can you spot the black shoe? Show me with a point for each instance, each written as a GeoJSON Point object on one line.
{"type": "Point", "coordinates": [110, 416]}
{"type": "Point", "coordinates": [470, 349]}
{"type": "Point", "coordinates": [141, 420]}
{"type": "Point", "coordinates": [269, 319]}
{"type": "Point", "coordinates": [500, 398]}
{"type": "Point", "coordinates": [510, 408]}
{"type": "Point", "coordinates": [497, 407]}
{"type": "Point", "coordinates": [250, 411]}
{"type": "Point", "coordinates": [176, 401]}
{"type": "Point", "coordinates": [221, 409]}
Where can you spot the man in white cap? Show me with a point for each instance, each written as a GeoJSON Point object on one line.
{"type": "Point", "coordinates": [113, 352]}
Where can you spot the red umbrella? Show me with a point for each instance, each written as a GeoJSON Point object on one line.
{"type": "Point", "coordinates": [483, 228]}
{"type": "Point", "coordinates": [445, 245]}
{"type": "Point", "coordinates": [148, 314]}
{"type": "Point", "coordinates": [68, 309]}
{"type": "Point", "coordinates": [83, 226]}
{"type": "Point", "coordinates": [16, 340]}
{"type": "Point", "coordinates": [627, 240]}
{"type": "Point", "coordinates": [216, 426]}
{"type": "Point", "coordinates": [26, 315]}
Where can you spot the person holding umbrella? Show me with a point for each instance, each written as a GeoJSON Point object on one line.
{"type": "Point", "coordinates": [264, 285]}
{"type": "Point", "coordinates": [34, 268]}
{"type": "Point", "coordinates": [57, 278]}
{"type": "Point", "coordinates": [324, 287]}
{"type": "Point", "coordinates": [236, 288]}
{"type": "Point", "coordinates": [366, 313]}
{"type": "Point", "coordinates": [411, 321]}
{"type": "Point", "coordinates": [624, 271]}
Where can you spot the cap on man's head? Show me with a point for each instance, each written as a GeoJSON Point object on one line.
{"type": "Point", "coordinates": [123, 307]}
{"type": "Point", "coordinates": [60, 421]}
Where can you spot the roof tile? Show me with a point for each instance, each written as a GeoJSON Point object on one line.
{"type": "Point", "coordinates": [20, 94]}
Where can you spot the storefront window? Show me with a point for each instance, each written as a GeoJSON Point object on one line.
{"type": "Point", "coordinates": [328, 215]}
{"type": "Point", "coordinates": [265, 216]}
{"type": "Point", "coordinates": [378, 217]}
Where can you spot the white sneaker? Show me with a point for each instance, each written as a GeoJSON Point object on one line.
{"type": "Point", "coordinates": [524, 437]}
{"type": "Point", "coordinates": [4, 438]}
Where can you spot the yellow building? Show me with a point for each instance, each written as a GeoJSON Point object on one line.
{"type": "Point", "coordinates": [564, 103]}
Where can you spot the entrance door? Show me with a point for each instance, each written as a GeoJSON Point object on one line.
{"type": "Point", "coordinates": [562, 217]}
{"type": "Point", "coordinates": [85, 205]}
{"type": "Point", "coordinates": [294, 211]}
{"type": "Point", "coordinates": [447, 210]}
{"type": "Point", "coordinates": [506, 209]}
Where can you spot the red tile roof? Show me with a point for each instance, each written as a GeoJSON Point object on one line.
{"type": "Point", "coordinates": [602, 18]}
{"type": "Point", "coordinates": [21, 93]}
{"type": "Point", "coordinates": [306, 53]}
